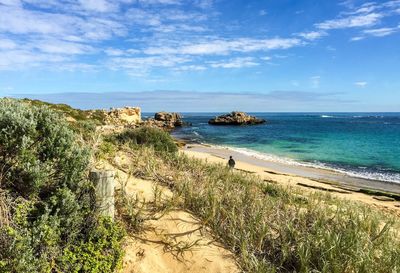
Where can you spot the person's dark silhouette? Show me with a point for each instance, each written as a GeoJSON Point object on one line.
{"type": "Point", "coordinates": [231, 162]}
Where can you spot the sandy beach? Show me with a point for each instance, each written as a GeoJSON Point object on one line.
{"type": "Point", "coordinates": [307, 178]}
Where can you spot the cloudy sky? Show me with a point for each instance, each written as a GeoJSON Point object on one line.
{"type": "Point", "coordinates": [204, 55]}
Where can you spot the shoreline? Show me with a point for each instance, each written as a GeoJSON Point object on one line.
{"type": "Point", "coordinates": [327, 174]}
{"type": "Point", "coordinates": [364, 190]}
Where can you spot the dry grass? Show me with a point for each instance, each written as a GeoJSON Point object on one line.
{"type": "Point", "coordinates": [271, 228]}
{"type": "Point", "coordinates": [276, 229]}
{"type": "Point", "coordinates": [5, 216]}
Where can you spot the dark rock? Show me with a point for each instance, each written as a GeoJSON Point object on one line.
{"type": "Point", "coordinates": [235, 118]}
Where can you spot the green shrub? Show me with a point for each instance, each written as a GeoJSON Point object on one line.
{"type": "Point", "coordinates": [43, 173]}
{"type": "Point", "coordinates": [89, 255]}
{"type": "Point", "coordinates": [96, 116]}
{"type": "Point", "coordinates": [160, 140]}
{"type": "Point", "coordinates": [38, 151]}
{"type": "Point", "coordinates": [86, 129]}
{"type": "Point", "coordinates": [106, 149]}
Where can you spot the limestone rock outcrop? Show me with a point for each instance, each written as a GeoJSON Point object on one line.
{"type": "Point", "coordinates": [235, 118]}
{"type": "Point", "coordinates": [122, 116]}
{"type": "Point", "coordinates": [165, 120]}
{"type": "Point", "coordinates": [170, 119]}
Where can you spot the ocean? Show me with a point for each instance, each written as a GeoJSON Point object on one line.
{"type": "Point", "coordinates": [365, 145]}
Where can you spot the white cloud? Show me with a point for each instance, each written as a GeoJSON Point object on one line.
{"type": "Point", "coordinates": [361, 84]}
{"type": "Point", "coordinates": [16, 59]}
{"type": "Point", "coordinates": [62, 47]}
{"type": "Point", "coordinates": [223, 47]}
{"type": "Point", "coordinates": [10, 2]}
{"type": "Point", "coordinates": [144, 63]}
{"type": "Point", "coordinates": [376, 32]}
{"type": "Point", "coordinates": [190, 68]}
{"type": "Point", "coordinates": [159, 33]}
{"type": "Point", "coordinates": [367, 15]}
{"type": "Point", "coordinates": [21, 21]}
{"type": "Point", "coordinates": [98, 5]}
{"type": "Point", "coordinates": [164, 2]}
{"type": "Point", "coordinates": [235, 63]}
{"type": "Point", "coordinates": [365, 9]}
{"type": "Point", "coordinates": [7, 44]}
{"type": "Point", "coordinates": [392, 4]}
{"type": "Point", "coordinates": [381, 32]}
{"type": "Point", "coordinates": [114, 52]}
{"type": "Point", "coordinates": [312, 35]}
{"type": "Point", "coordinates": [143, 17]}
{"type": "Point", "coordinates": [204, 4]}
{"type": "Point", "coordinates": [180, 15]}
{"type": "Point", "coordinates": [347, 3]}
{"type": "Point", "coordinates": [56, 32]}
{"type": "Point", "coordinates": [363, 20]}
{"type": "Point", "coordinates": [357, 38]}
{"type": "Point", "coordinates": [120, 52]}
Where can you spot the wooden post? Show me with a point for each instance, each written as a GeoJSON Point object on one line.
{"type": "Point", "coordinates": [104, 185]}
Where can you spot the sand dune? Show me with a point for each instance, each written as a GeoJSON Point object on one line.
{"type": "Point", "coordinates": [161, 248]}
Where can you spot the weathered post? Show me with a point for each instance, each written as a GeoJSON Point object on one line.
{"type": "Point", "coordinates": [104, 191]}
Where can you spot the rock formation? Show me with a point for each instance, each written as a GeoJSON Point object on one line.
{"type": "Point", "coordinates": [165, 120]}
{"type": "Point", "coordinates": [122, 116]}
{"type": "Point", "coordinates": [235, 118]}
{"type": "Point", "coordinates": [171, 119]}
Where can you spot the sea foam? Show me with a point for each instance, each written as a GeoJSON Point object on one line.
{"type": "Point", "coordinates": [361, 173]}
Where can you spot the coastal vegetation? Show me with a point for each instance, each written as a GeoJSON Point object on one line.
{"type": "Point", "coordinates": [48, 221]}
{"type": "Point", "coordinates": [158, 139]}
{"type": "Point", "coordinates": [276, 229]}
{"type": "Point", "coordinates": [95, 116]}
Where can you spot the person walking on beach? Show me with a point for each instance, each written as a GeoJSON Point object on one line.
{"type": "Point", "coordinates": [231, 163]}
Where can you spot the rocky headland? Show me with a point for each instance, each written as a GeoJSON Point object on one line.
{"type": "Point", "coordinates": [130, 117]}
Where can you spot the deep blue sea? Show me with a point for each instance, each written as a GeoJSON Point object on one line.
{"type": "Point", "coordinates": [359, 144]}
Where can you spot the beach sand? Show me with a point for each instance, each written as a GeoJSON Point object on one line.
{"type": "Point", "coordinates": [157, 248]}
{"type": "Point", "coordinates": [150, 250]}
{"type": "Point", "coordinates": [308, 179]}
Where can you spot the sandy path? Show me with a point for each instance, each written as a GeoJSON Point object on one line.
{"type": "Point", "coordinates": [293, 181]}
{"type": "Point", "coordinates": [156, 250]}
{"type": "Point", "coordinates": [149, 255]}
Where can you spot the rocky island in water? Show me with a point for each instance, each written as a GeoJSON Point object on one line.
{"type": "Point", "coordinates": [236, 118]}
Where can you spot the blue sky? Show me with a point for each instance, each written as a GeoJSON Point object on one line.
{"type": "Point", "coordinates": [204, 55]}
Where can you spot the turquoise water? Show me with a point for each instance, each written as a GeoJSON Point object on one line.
{"type": "Point", "coordinates": [359, 144]}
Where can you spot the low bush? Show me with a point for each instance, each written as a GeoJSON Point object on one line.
{"type": "Point", "coordinates": [160, 140]}
{"type": "Point", "coordinates": [95, 116]}
{"type": "Point", "coordinates": [51, 223]}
